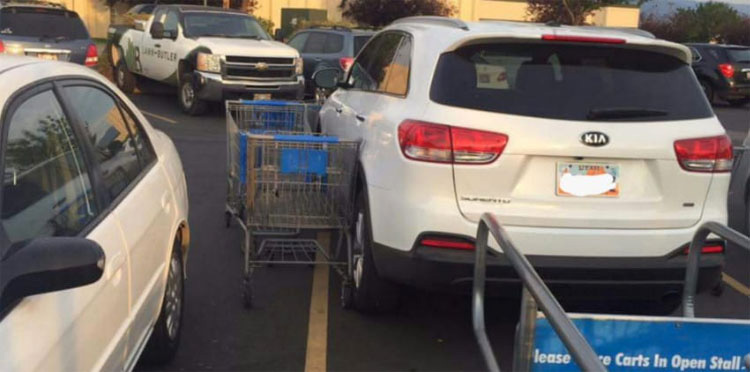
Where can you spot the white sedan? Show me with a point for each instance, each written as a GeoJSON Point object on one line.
{"type": "Point", "coordinates": [93, 224]}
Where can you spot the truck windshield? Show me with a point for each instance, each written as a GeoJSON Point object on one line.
{"type": "Point", "coordinates": [223, 25]}
{"type": "Point", "coordinates": [57, 24]}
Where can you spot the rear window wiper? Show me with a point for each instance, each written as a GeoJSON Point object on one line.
{"type": "Point", "coordinates": [623, 113]}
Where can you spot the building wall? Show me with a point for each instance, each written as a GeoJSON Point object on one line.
{"type": "Point", "coordinates": [96, 15]}
{"type": "Point", "coordinates": [468, 10]}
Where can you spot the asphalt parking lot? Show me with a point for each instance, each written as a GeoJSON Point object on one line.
{"type": "Point", "coordinates": [430, 332]}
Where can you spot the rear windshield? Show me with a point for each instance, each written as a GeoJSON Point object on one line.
{"type": "Point", "coordinates": [359, 42]}
{"type": "Point", "coordinates": [569, 82]}
{"type": "Point", "coordinates": [42, 23]}
{"type": "Point", "coordinates": [739, 55]}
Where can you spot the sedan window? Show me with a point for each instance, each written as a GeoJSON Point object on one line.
{"type": "Point", "coordinates": [46, 187]}
{"type": "Point", "coordinates": [108, 132]}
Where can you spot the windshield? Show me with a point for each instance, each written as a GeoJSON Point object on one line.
{"type": "Point", "coordinates": [223, 25]}
{"type": "Point", "coordinates": [569, 82]}
{"type": "Point", "coordinates": [739, 55]}
{"type": "Point", "coordinates": [58, 24]}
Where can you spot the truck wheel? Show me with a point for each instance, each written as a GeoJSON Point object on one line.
{"type": "Point", "coordinates": [124, 79]}
{"type": "Point", "coordinates": [162, 346]}
{"type": "Point", "coordinates": [187, 98]}
{"type": "Point", "coordinates": [370, 292]}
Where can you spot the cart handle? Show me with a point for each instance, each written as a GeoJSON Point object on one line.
{"type": "Point", "coordinates": [579, 348]}
{"type": "Point", "coordinates": [694, 253]}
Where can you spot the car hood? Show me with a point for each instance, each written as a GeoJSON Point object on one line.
{"type": "Point", "coordinates": [248, 47]}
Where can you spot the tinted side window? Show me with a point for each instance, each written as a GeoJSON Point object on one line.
{"type": "Point", "coordinates": [46, 187]}
{"type": "Point", "coordinates": [108, 132]}
{"type": "Point", "coordinates": [146, 153]}
{"type": "Point", "coordinates": [334, 43]}
{"type": "Point", "coordinates": [379, 68]}
{"type": "Point", "coordinates": [298, 41]}
{"type": "Point", "coordinates": [397, 72]}
{"type": "Point", "coordinates": [359, 42]}
{"type": "Point", "coordinates": [359, 78]}
{"type": "Point", "coordinates": [315, 43]}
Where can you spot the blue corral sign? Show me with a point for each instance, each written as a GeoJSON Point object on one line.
{"type": "Point", "coordinates": [630, 343]}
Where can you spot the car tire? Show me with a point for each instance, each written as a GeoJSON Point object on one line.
{"type": "Point", "coordinates": [124, 79]}
{"type": "Point", "coordinates": [187, 98]}
{"type": "Point", "coordinates": [708, 90]}
{"type": "Point", "coordinates": [739, 102]}
{"type": "Point", "coordinates": [369, 292]}
{"type": "Point", "coordinates": [165, 339]}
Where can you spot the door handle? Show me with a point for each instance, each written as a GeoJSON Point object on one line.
{"type": "Point", "coordinates": [157, 45]}
{"type": "Point", "coordinates": [318, 59]}
{"type": "Point", "coordinates": [339, 110]}
{"type": "Point", "coordinates": [165, 204]}
{"type": "Point", "coordinates": [360, 117]}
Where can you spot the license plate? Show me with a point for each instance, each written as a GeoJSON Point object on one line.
{"type": "Point", "coordinates": [262, 97]}
{"type": "Point", "coordinates": [588, 179]}
{"type": "Point", "coordinates": [47, 56]}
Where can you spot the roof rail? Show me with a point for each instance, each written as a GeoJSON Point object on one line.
{"type": "Point", "coordinates": [435, 20]}
{"type": "Point", "coordinates": [332, 27]}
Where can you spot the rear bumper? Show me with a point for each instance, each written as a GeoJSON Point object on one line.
{"type": "Point", "coordinates": [211, 87]}
{"type": "Point", "coordinates": [572, 277]}
{"type": "Point", "coordinates": [735, 92]}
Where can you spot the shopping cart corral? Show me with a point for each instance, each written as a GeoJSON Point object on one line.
{"type": "Point", "coordinates": [552, 340]}
{"type": "Point", "coordinates": [285, 182]}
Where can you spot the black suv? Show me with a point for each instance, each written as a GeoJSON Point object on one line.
{"type": "Point", "coordinates": [723, 71]}
{"type": "Point", "coordinates": [328, 47]}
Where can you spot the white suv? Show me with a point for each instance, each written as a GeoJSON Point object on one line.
{"type": "Point", "coordinates": [93, 224]}
{"type": "Point", "coordinates": [594, 147]}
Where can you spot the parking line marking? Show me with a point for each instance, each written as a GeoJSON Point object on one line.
{"type": "Point", "coordinates": [735, 284]}
{"type": "Point", "coordinates": [162, 118]}
{"type": "Point", "coordinates": [317, 331]}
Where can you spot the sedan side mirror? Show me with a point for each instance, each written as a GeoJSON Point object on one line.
{"type": "Point", "coordinates": [46, 265]}
{"type": "Point", "coordinates": [327, 78]}
{"type": "Point", "coordinates": [157, 30]}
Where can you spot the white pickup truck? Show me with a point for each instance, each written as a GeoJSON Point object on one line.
{"type": "Point", "coordinates": [209, 54]}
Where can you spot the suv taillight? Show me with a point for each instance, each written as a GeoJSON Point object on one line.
{"type": "Point", "coordinates": [445, 144]}
{"type": "Point", "coordinates": [727, 70]}
{"type": "Point", "coordinates": [92, 57]}
{"type": "Point", "coordinates": [2, 47]}
{"type": "Point", "coordinates": [711, 154]}
{"type": "Point", "coordinates": [345, 63]}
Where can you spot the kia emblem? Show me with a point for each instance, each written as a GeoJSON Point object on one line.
{"type": "Point", "coordinates": [594, 139]}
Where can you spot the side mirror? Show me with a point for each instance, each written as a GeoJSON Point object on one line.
{"type": "Point", "coordinates": [46, 265]}
{"type": "Point", "coordinates": [157, 30]}
{"type": "Point", "coordinates": [140, 25]}
{"type": "Point", "coordinates": [277, 35]}
{"type": "Point", "coordinates": [327, 78]}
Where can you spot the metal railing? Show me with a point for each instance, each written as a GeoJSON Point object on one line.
{"type": "Point", "coordinates": [694, 253]}
{"type": "Point", "coordinates": [534, 287]}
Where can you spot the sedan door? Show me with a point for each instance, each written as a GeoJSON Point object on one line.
{"type": "Point", "coordinates": [138, 192]}
{"type": "Point", "coordinates": [50, 189]}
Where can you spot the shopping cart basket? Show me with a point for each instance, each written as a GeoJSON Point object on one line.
{"type": "Point", "coordinates": [284, 184]}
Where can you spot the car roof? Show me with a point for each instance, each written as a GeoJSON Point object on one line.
{"type": "Point", "coordinates": [35, 5]}
{"type": "Point", "coordinates": [340, 30]}
{"type": "Point", "coordinates": [447, 34]}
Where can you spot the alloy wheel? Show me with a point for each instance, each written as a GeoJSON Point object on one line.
{"type": "Point", "coordinates": [173, 298]}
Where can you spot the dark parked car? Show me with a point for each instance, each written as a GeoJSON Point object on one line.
{"type": "Point", "coordinates": [47, 31]}
{"type": "Point", "coordinates": [739, 190]}
{"type": "Point", "coordinates": [328, 47]}
{"type": "Point", "coordinates": [723, 71]}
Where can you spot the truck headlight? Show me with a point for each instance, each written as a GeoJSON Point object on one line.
{"type": "Point", "coordinates": [298, 66]}
{"type": "Point", "coordinates": [208, 62]}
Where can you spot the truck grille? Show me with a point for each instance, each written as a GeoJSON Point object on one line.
{"type": "Point", "coordinates": [259, 68]}
{"type": "Point", "coordinates": [268, 60]}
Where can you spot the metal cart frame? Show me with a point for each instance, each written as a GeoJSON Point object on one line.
{"type": "Point", "coordinates": [283, 182]}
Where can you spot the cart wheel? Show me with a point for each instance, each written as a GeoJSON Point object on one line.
{"type": "Point", "coordinates": [347, 295]}
{"type": "Point", "coordinates": [228, 219]}
{"type": "Point", "coordinates": [247, 294]}
{"type": "Point", "coordinates": [718, 289]}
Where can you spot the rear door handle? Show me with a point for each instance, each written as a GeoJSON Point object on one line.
{"type": "Point", "coordinates": [318, 59]}
{"type": "Point", "coordinates": [157, 45]}
{"type": "Point", "coordinates": [360, 117]}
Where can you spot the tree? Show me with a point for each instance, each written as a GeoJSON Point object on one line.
{"type": "Point", "coordinates": [379, 13]}
{"type": "Point", "coordinates": [570, 12]}
{"type": "Point", "coordinates": [707, 22]}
